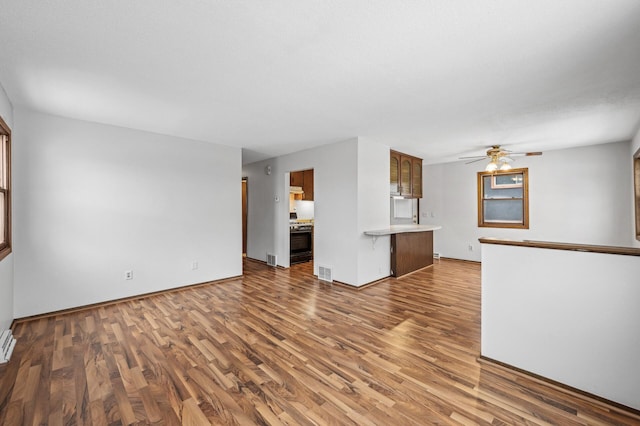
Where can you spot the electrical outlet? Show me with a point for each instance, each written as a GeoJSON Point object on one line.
{"type": "Point", "coordinates": [194, 265]}
{"type": "Point", "coordinates": [128, 275]}
{"type": "Point", "coordinates": [470, 247]}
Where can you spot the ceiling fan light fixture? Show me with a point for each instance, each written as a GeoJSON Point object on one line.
{"type": "Point", "coordinates": [491, 167]}
{"type": "Point", "coordinates": [505, 166]}
{"type": "Point", "coordinates": [499, 159]}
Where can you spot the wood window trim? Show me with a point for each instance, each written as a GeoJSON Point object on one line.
{"type": "Point", "coordinates": [525, 200]}
{"type": "Point", "coordinates": [5, 246]}
{"type": "Point", "coordinates": [636, 191]}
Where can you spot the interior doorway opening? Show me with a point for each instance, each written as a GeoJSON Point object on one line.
{"type": "Point", "coordinates": [301, 216]}
{"type": "Point", "coordinates": [244, 217]}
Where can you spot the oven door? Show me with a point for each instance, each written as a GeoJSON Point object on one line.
{"type": "Point", "coordinates": [300, 246]}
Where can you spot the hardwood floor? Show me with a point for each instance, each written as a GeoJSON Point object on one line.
{"type": "Point", "coordinates": [280, 347]}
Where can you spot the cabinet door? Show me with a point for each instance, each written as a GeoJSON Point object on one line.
{"type": "Point", "coordinates": [296, 179]}
{"type": "Point", "coordinates": [394, 179]}
{"type": "Point", "coordinates": [307, 186]}
{"type": "Point", "coordinates": [416, 178]}
{"type": "Point", "coordinates": [405, 176]}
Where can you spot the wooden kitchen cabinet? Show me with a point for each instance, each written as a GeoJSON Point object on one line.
{"type": "Point", "coordinates": [394, 180]}
{"type": "Point", "coordinates": [411, 251]}
{"type": "Point", "coordinates": [296, 179]}
{"type": "Point", "coordinates": [307, 187]}
{"type": "Point", "coordinates": [416, 177]}
{"type": "Point", "coordinates": [405, 175]}
{"type": "Point", "coordinates": [411, 246]}
{"type": "Point", "coordinates": [303, 179]}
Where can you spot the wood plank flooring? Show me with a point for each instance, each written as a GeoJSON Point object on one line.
{"type": "Point", "coordinates": [280, 347]}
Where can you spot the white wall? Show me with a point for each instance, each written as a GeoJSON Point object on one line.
{"type": "Point", "coordinates": [334, 197]}
{"type": "Point", "coordinates": [569, 316]}
{"type": "Point", "coordinates": [92, 201]}
{"type": "Point", "coordinates": [6, 264]}
{"type": "Point", "coordinates": [335, 208]}
{"type": "Point", "coordinates": [261, 208]}
{"type": "Point", "coordinates": [578, 195]}
{"type": "Point", "coordinates": [374, 260]}
{"type": "Point", "coordinates": [340, 212]}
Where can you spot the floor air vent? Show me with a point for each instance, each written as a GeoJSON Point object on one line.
{"type": "Point", "coordinates": [325, 274]}
{"type": "Point", "coordinates": [8, 343]}
{"type": "Point", "coordinates": [272, 259]}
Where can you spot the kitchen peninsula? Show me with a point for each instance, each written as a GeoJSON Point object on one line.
{"type": "Point", "coordinates": [411, 246]}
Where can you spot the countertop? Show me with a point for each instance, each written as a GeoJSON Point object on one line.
{"type": "Point", "coordinates": [400, 229]}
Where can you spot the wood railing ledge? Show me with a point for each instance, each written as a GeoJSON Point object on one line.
{"type": "Point", "coordinates": [625, 251]}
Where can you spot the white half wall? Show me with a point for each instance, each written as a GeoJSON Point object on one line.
{"type": "Point", "coordinates": [579, 195]}
{"type": "Point", "coordinates": [569, 316]}
{"type": "Point", "coordinates": [341, 213]}
{"type": "Point", "coordinates": [93, 201]}
{"type": "Point", "coordinates": [6, 264]}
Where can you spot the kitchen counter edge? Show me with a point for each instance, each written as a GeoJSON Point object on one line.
{"type": "Point", "coordinates": [401, 229]}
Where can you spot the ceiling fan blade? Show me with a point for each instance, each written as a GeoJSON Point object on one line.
{"type": "Point", "coordinates": [472, 157]}
{"type": "Point", "coordinates": [476, 160]}
{"type": "Point", "coordinates": [524, 154]}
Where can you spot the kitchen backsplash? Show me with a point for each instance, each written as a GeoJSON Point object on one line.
{"type": "Point", "coordinates": [304, 209]}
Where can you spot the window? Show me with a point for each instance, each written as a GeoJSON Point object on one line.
{"type": "Point", "coordinates": [503, 199]}
{"type": "Point", "coordinates": [636, 185]}
{"type": "Point", "coordinates": [5, 189]}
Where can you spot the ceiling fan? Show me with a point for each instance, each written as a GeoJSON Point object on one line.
{"type": "Point", "coordinates": [499, 158]}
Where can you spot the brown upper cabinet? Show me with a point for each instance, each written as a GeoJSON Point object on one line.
{"type": "Point", "coordinates": [416, 177]}
{"type": "Point", "coordinates": [394, 180]}
{"type": "Point", "coordinates": [405, 175]}
{"type": "Point", "coordinates": [296, 179]}
{"type": "Point", "coordinates": [303, 179]}
{"type": "Point", "coordinates": [308, 185]}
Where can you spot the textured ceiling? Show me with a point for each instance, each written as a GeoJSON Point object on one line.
{"type": "Point", "coordinates": [438, 79]}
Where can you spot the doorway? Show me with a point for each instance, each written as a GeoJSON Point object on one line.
{"type": "Point", "coordinates": [244, 217]}
{"type": "Point", "coordinates": [301, 216]}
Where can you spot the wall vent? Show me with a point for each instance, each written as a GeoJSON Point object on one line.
{"type": "Point", "coordinates": [272, 259]}
{"type": "Point", "coordinates": [7, 343]}
{"type": "Point", "coordinates": [325, 274]}
{"type": "Point", "coordinates": [436, 255]}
